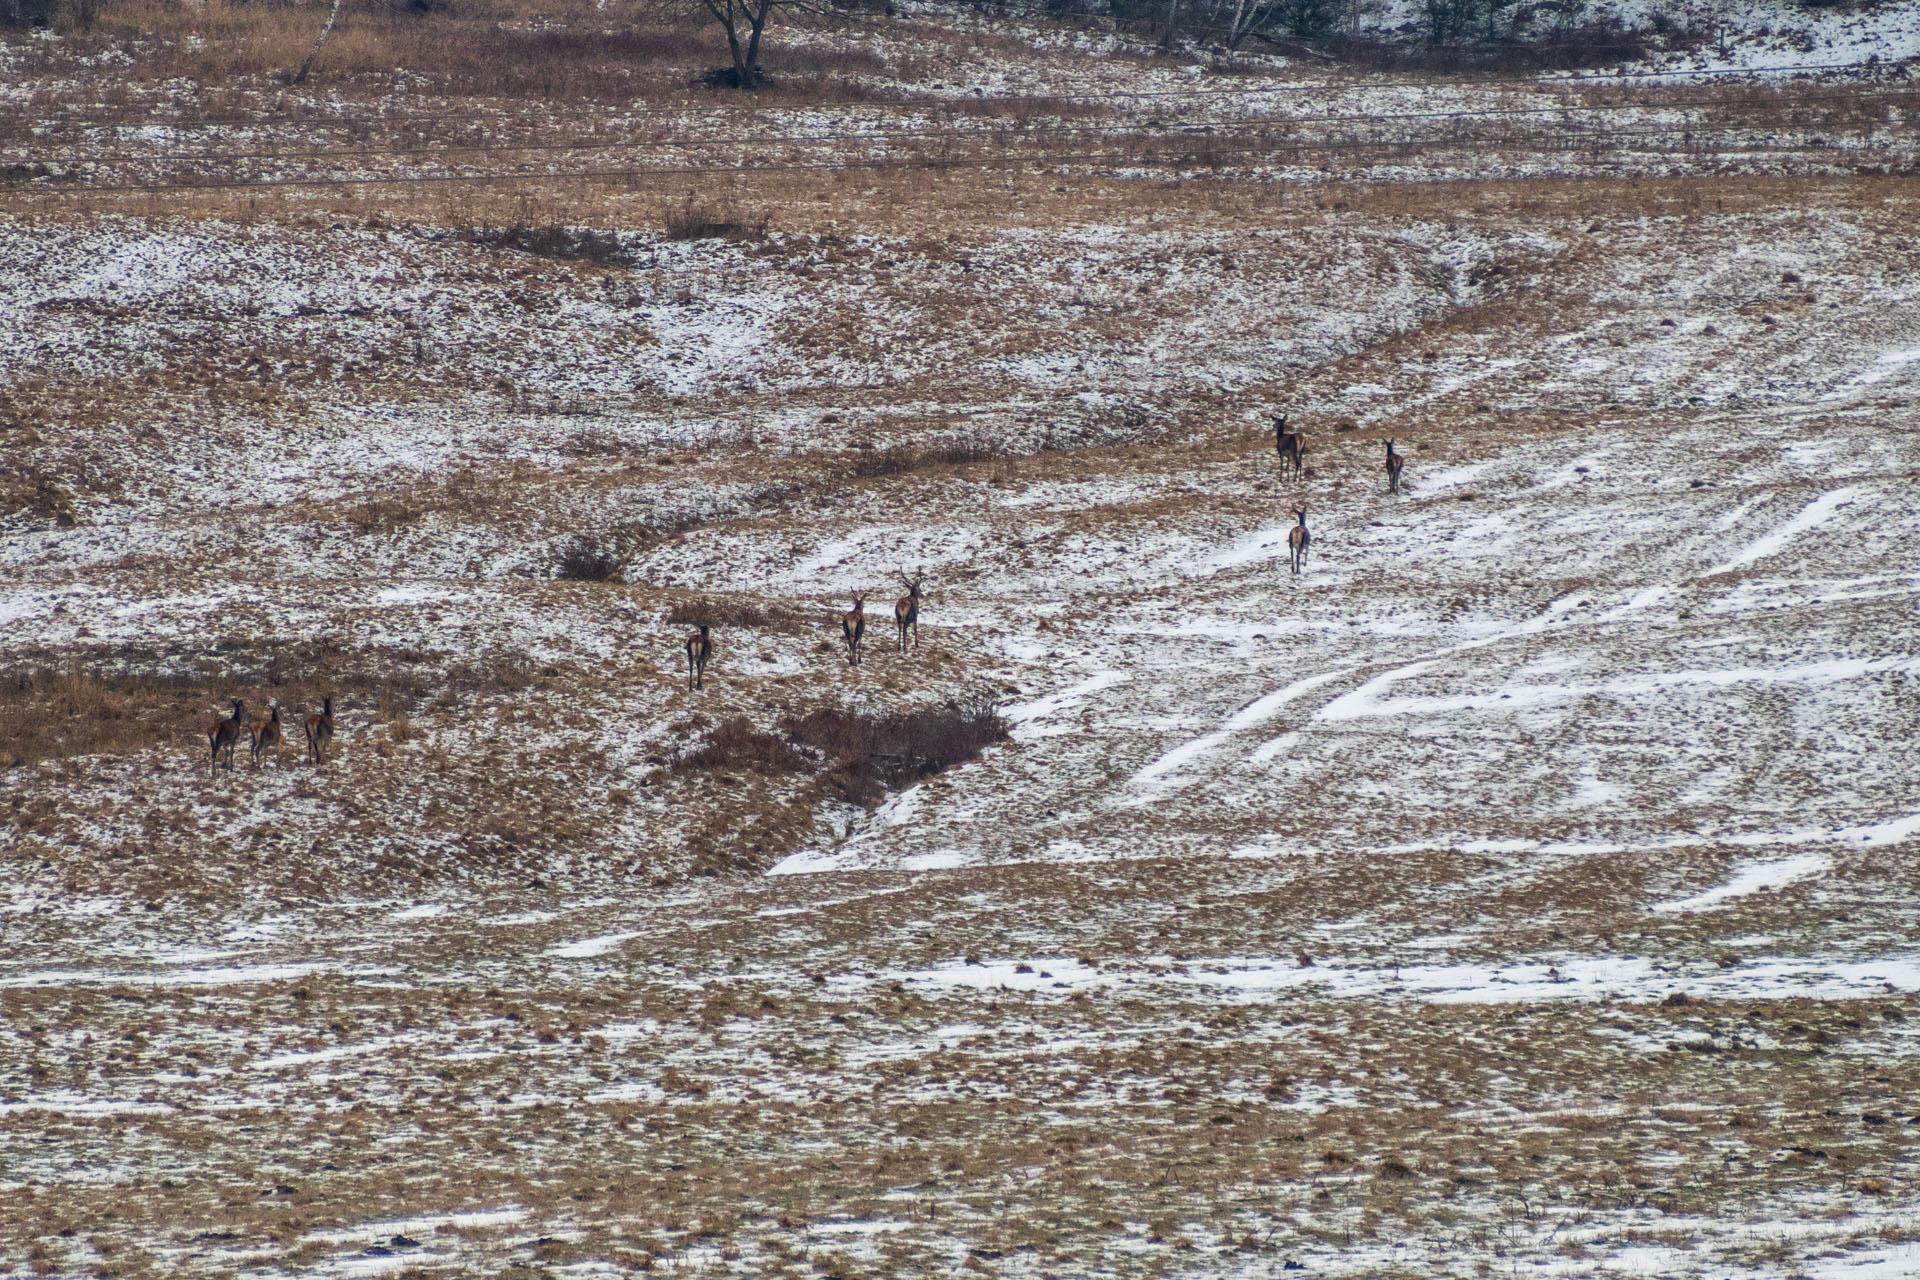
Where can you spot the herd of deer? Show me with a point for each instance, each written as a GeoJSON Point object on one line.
{"type": "Point", "coordinates": [224, 735]}
{"type": "Point", "coordinates": [1293, 462]}
{"type": "Point", "coordinates": [853, 627]}
{"type": "Point", "coordinates": [264, 734]}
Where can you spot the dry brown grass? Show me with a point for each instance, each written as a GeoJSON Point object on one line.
{"type": "Point", "coordinates": [747, 614]}
{"type": "Point", "coordinates": [52, 714]}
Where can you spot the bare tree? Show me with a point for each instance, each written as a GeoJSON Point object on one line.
{"type": "Point", "coordinates": [745, 23]}
{"type": "Point", "coordinates": [735, 18]}
{"type": "Point", "coordinates": [1242, 20]}
{"type": "Point", "coordinates": [325, 31]}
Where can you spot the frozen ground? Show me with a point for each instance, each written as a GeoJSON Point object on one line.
{"type": "Point", "coordinates": [1526, 887]}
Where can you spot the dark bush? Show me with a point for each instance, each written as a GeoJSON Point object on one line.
{"type": "Point", "coordinates": [728, 78]}
{"type": "Point", "coordinates": [868, 754]}
{"type": "Point", "coordinates": [571, 243]}
{"type": "Point", "coordinates": [1307, 19]}
{"type": "Point", "coordinates": [731, 613]}
{"type": "Point", "coordinates": [736, 744]}
{"type": "Point", "coordinates": [904, 458]}
{"type": "Point", "coordinates": [585, 559]}
{"type": "Point", "coordinates": [695, 221]}
{"type": "Point", "coordinates": [27, 13]}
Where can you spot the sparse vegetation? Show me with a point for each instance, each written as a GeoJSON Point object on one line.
{"type": "Point", "coordinates": [748, 614]}
{"type": "Point", "coordinates": [1335, 925]}
{"type": "Point", "coordinates": [581, 244]}
{"type": "Point", "coordinates": [901, 459]}
{"type": "Point", "coordinates": [585, 558]}
{"type": "Point", "coordinates": [736, 744]}
{"type": "Point", "coordinates": [707, 220]}
{"type": "Point", "coordinates": [866, 754]}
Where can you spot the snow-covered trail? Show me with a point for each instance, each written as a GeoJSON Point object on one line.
{"type": "Point", "coordinates": [1701, 614]}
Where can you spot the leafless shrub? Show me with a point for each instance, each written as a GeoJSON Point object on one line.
{"type": "Point", "coordinates": [585, 558]}
{"type": "Point", "coordinates": [581, 244]}
{"type": "Point", "coordinates": [732, 613]}
{"type": "Point", "coordinates": [905, 458]}
{"type": "Point", "coordinates": [382, 515]}
{"type": "Point", "coordinates": [700, 220]}
{"type": "Point", "coordinates": [868, 754]}
{"type": "Point", "coordinates": [736, 744]}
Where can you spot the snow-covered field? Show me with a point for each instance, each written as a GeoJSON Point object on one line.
{"type": "Point", "coordinates": [1524, 887]}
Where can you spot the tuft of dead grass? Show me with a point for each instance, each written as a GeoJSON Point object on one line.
{"type": "Point", "coordinates": [868, 754]}
{"type": "Point", "coordinates": [714, 220]}
{"type": "Point", "coordinates": [569, 244]}
{"type": "Point", "coordinates": [746, 614]}
{"type": "Point", "coordinates": [736, 744]}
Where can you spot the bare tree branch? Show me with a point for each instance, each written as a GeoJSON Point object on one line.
{"type": "Point", "coordinates": [325, 31]}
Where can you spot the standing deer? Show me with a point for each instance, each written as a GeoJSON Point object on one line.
{"type": "Point", "coordinates": [224, 734]}
{"type": "Point", "coordinates": [906, 610]}
{"type": "Point", "coordinates": [699, 649]}
{"type": "Point", "coordinates": [1287, 444]}
{"type": "Point", "coordinates": [266, 736]}
{"type": "Point", "coordinates": [853, 625]}
{"type": "Point", "coordinates": [1298, 538]}
{"type": "Point", "coordinates": [1394, 463]}
{"type": "Point", "coordinates": [320, 732]}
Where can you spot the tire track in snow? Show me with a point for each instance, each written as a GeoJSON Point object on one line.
{"type": "Point", "coordinates": [1147, 783]}
{"type": "Point", "coordinates": [1814, 514]}
{"type": "Point", "coordinates": [1749, 878]}
{"type": "Point", "coordinates": [1151, 783]}
{"type": "Point", "coordinates": [1367, 700]}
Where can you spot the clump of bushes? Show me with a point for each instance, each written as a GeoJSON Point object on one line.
{"type": "Point", "coordinates": [866, 755]}
{"type": "Point", "coordinates": [697, 220]}
{"type": "Point", "coordinates": [736, 744]}
{"type": "Point", "coordinates": [731, 613]}
{"type": "Point", "coordinates": [589, 559]}
{"type": "Point", "coordinates": [581, 244]}
{"type": "Point", "coordinates": [859, 755]}
{"type": "Point", "coordinates": [904, 458]}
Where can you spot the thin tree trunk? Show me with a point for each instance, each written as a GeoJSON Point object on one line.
{"type": "Point", "coordinates": [324, 33]}
{"type": "Point", "coordinates": [760, 11]}
{"type": "Point", "coordinates": [1235, 32]}
{"type": "Point", "coordinates": [729, 20]}
{"type": "Point", "coordinates": [1166, 37]}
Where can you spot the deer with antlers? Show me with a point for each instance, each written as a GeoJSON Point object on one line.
{"type": "Point", "coordinates": [906, 610]}
{"type": "Point", "coordinates": [1287, 444]}
{"type": "Point", "coordinates": [1394, 463]}
{"type": "Point", "coordinates": [1297, 540]}
{"type": "Point", "coordinates": [853, 625]}
{"type": "Point", "coordinates": [320, 732]}
{"type": "Point", "coordinates": [699, 649]}
{"type": "Point", "coordinates": [224, 734]}
{"type": "Point", "coordinates": [266, 736]}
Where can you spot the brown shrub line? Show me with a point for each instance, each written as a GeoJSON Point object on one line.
{"type": "Point", "coordinates": [899, 459]}
{"type": "Point", "coordinates": [105, 703]}
{"type": "Point", "coordinates": [569, 244]}
{"type": "Point", "coordinates": [857, 755]}
{"type": "Point", "coordinates": [735, 613]}
{"type": "Point", "coordinates": [714, 220]}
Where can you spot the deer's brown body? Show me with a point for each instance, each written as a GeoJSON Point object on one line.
{"type": "Point", "coordinates": [266, 736]}
{"type": "Point", "coordinates": [853, 625]}
{"type": "Point", "coordinates": [320, 732]}
{"type": "Point", "coordinates": [906, 610]}
{"type": "Point", "coordinates": [223, 735]}
{"type": "Point", "coordinates": [1298, 540]}
{"type": "Point", "coordinates": [699, 649]}
{"type": "Point", "coordinates": [1287, 444]}
{"type": "Point", "coordinates": [1394, 463]}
